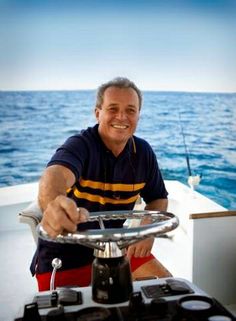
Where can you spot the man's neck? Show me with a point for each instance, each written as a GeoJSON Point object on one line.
{"type": "Point", "coordinates": [116, 149]}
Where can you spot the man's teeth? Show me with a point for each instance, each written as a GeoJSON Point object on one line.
{"type": "Point", "coordinates": [119, 126]}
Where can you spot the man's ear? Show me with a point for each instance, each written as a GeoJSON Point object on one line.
{"type": "Point", "coordinates": [96, 111]}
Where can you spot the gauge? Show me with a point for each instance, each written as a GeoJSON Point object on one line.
{"type": "Point", "coordinates": [195, 305]}
{"type": "Point", "coordinates": [219, 318]}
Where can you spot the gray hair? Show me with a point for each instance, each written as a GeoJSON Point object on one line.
{"type": "Point", "coordinates": [119, 82]}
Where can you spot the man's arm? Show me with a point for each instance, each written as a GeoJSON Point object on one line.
{"type": "Point", "coordinates": [59, 212]}
{"type": "Point", "coordinates": [143, 248]}
{"type": "Point", "coordinates": [157, 205]}
{"type": "Point", "coordinates": [55, 180]}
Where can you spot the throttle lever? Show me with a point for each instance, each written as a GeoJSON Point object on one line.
{"type": "Point", "coordinates": [56, 264]}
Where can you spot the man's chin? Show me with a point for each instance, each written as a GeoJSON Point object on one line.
{"type": "Point", "coordinates": [121, 140]}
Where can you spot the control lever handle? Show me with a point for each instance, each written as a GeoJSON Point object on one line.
{"type": "Point", "coordinates": [56, 264]}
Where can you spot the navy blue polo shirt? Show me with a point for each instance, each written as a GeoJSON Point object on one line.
{"type": "Point", "coordinates": [103, 182]}
{"type": "Point", "coordinates": [106, 182]}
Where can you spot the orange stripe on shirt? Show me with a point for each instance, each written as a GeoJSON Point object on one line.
{"type": "Point", "coordinates": [104, 200]}
{"type": "Point", "coordinates": [114, 187]}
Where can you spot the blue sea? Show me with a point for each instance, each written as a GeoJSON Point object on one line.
{"type": "Point", "coordinates": [33, 124]}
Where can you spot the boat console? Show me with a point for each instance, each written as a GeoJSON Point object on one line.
{"type": "Point", "coordinates": [113, 296]}
{"type": "Point", "coordinates": [156, 299]}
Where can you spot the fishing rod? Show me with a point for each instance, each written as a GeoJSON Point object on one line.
{"type": "Point", "coordinates": [193, 180]}
{"type": "Point", "coordinates": [185, 149]}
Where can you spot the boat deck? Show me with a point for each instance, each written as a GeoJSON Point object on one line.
{"type": "Point", "coordinates": [17, 285]}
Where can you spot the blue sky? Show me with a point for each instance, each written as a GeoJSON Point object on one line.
{"type": "Point", "coordinates": [161, 45]}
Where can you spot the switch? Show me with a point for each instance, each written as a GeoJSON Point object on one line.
{"type": "Point", "coordinates": [31, 312]}
{"type": "Point", "coordinates": [68, 296]}
{"type": "Point", "coordinates": [178, 287]}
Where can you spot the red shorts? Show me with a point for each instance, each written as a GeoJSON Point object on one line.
{"type": "Point", "coordinates": [81, 276]}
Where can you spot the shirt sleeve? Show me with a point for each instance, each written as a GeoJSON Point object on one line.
{"type": "Point", "coordinates": [72, 154]}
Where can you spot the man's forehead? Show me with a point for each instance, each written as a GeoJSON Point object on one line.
{"type": "Point", "coordinates": [119, 92]}
{"type": "Point", "coordinates": [117, 88]}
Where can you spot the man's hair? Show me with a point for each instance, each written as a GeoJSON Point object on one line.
{"type": "Point", "coordinates": [119, 82]}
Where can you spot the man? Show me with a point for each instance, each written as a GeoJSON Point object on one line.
{"type": "Point", "coordinates": [102, 168]}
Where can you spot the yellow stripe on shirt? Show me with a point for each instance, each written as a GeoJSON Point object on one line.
{"type": "Point", "coordinates": [111, 187]}
{"type": "Point", "coordinates": [104, 200]}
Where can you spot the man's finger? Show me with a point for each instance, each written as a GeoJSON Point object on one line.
{"type": "Point", "coordinates": [83, 215]}
{"type": "Point", "coordinates": [50, 229]}
{"type": "Point", "coordinates": [76, 215]}
{"type": "Point", "coordinates": [130, 251]}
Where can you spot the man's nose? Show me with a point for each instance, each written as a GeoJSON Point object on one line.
{"type": "Point", "coordinates": [121, 114]}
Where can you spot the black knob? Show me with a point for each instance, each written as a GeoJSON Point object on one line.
{"type": "Point", "coordinates": [56, 314]}
{"type": "Point", "coordinates": [136, 303]}
{"type": "Point", "coordinates": [159, 307]}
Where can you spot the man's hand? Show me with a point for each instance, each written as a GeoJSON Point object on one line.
{"type": "Point", "coordinates": [141, 249]}
{"type": "Point", "coordinates": [61, 214]}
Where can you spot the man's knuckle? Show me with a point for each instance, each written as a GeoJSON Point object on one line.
{"type": "Point", "coordinates": [58, 198]}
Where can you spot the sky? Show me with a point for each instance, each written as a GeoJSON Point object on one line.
{"type": "Point", "coordinates": [159, 44]}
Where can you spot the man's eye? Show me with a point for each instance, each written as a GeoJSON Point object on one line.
{"type": "Point", "coordinates": [112, 110]}
{"type": "Point", "coordinates": [131, 111]}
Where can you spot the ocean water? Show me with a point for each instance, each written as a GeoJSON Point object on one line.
{"type": "Point", "coordinates": [34, 124]}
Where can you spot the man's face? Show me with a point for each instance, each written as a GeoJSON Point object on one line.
{"type": "Point", "coordinates": [118, 116]}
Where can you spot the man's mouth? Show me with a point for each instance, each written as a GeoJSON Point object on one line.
{"type": "Point", "coordinates": [119, 126]}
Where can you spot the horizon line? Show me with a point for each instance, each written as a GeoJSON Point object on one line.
{"type": "Point", "coordinates": [142, 90]}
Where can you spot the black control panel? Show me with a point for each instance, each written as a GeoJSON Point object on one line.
{"type": "Point", "coordinates": [163, 300]}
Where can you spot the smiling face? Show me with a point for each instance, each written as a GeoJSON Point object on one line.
{"type": "Point", "coordinates": [118, 117]}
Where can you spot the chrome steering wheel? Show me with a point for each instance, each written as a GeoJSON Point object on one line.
{"type": "Point", "coordinates": [159, 222]}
